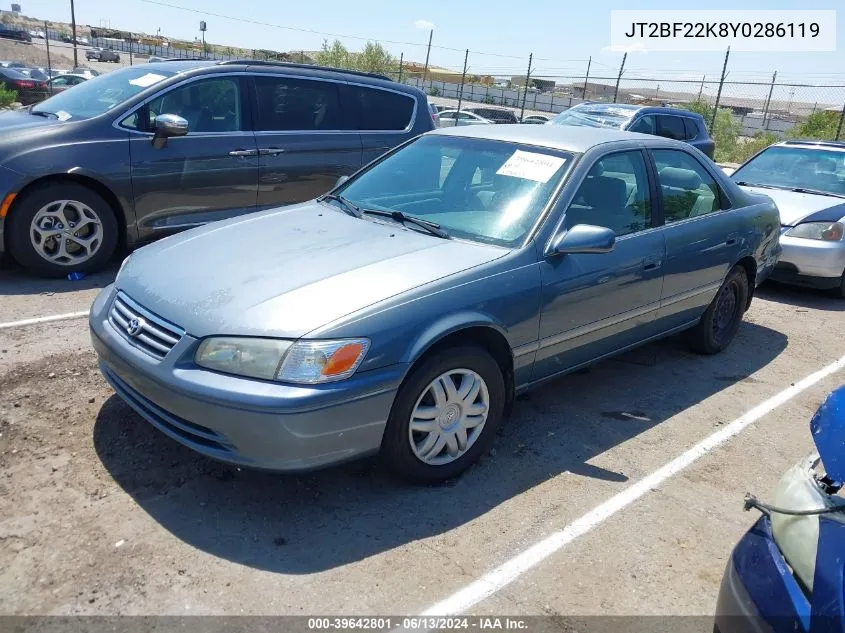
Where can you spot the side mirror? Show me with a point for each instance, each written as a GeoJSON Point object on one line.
{"type": "Point", "coordinates": [166, 126]}
{"type": "Point", "coordinates": [583, 238]}
{"type": "Point", "coordinates": [341, 180]}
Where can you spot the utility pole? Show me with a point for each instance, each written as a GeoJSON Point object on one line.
{"type": "Point", "coordinates": [839, 127]}
{"type": "Point", "coordinates": [619, 77]}
{"type": "Point", "coordinates": [587, 78]}
{"type": "Point", "coordinates": [527, 83]}
{"type": "Point", "coordinates": [401, 62]}
{"type": "Point", "coordinates": [701, 87]}
{"type": "Point", "coordinates": [719, 92]}
{"type": "Point", "coordinates": [49, 65]}
{"type": "Point", "coordinates": [202, 30]}
{"type": "Point", "coordinates": [131, 45]}
{"type": "Point", "coordinates": [769, 100]}
{"type": "Point", "coordinates": [463, 78]}
{"type": "Point", "coordinates": [73, 33]}
{"type": "Point", "coordinates": [427, 54]}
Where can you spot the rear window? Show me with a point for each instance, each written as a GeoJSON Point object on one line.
{"type": "Point", "coordinates": [672, 127]}
{"type": "Point", "coordinates": [691, 128]}
{"type": "Point", "coordinates": [381, 110]}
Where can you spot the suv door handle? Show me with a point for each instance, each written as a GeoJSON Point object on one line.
{"type": "Point", "coordinates": [731, 239]}
{"type": "Point", "coordinates": [271, 151]}
{"type": "Point", "coordinates": [241, 153]}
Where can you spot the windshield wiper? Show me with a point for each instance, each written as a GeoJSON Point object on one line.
{"type": "Point", "coordinates": [817, 192]}
{"type": "Point", "coordinates": [46, 115]}
{"type": "Point", "coordinates": [399, 216]}
{"type": "Point", "coordinates": [347, 206]}
{"type": "Point", "coordinates": [743, 183]}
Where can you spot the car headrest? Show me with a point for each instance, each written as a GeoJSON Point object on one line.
{"type": "Point", "coordinates": [679, 178]}
{"type": "Point", "coordinates": [604, 192]}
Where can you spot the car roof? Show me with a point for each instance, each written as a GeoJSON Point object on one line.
{"type": "Point", "coordinates": [634, 109]}
{"type": "Point", "coordinates": [565, 137]}
{"type": "Point", "coordinates": [814, 144]}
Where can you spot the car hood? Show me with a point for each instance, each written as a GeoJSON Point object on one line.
{"type": "Point", "coordinates": [797, 207]}
{"type": "Point", "coordinates": [285, 272]}
{"type": "Point", "coordinates": [828, 429]}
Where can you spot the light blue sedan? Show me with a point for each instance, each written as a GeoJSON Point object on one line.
{"type": "Point", "coordinates": [402, 312]}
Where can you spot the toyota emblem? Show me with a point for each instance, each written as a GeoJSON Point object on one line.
{"type": "Point", "coordinates": [135, 326]}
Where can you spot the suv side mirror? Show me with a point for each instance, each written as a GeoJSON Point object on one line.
{"type": "Point", "coordinates": [583, 238]}
{"type": "Point", "coordinates": [167, 125]}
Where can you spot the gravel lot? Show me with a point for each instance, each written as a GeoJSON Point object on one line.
{"type": "Point", "coordinates": [102, 514]}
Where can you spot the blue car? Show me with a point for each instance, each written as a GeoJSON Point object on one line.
{"type": "Point", "coordinates": [674, 123]}
{"type": "Point", "coordinates": [786, 574]}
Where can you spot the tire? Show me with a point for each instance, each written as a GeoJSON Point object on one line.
{"type": "Point", "coordinates": [839, 292]}
{"type": "Point", "coordinates": [720, 322]}
{"type": "Point", "coordinates": [396, 448]}
{"type": "Point", "coordinates": [86, 209]}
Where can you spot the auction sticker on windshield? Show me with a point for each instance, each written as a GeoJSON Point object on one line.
{"type": "Point", "coordinates": [147, 80]}
{"type": "Point", "coordinates": [531, 166]}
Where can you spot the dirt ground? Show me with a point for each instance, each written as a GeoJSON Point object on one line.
{"type": "Point", "coordinates": [102, 514]}
{"type": "Point", "coordinates": [36, 55]}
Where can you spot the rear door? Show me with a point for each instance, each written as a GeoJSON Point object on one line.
{"type": "Point", "coordinates": [384, 117]}
{"type": "Point", "coordinates": [704, 236]}
{"type": "Point", "coordinates": [209, 174]}
{"type": "Point", "coordinates": [305, 138]}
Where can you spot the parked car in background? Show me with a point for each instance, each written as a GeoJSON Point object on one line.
{"type": "Point", "coordinates": [806, 179]}
{"type": "Point", "coordinates": [536, 119]}
{"type": "Point", "coordinates": [28, 89]}
{"type": "Point", "coordinates": [153, 59]}
{"type": "Point", "coordinates": [102, 55]}
{"type": "Point", "coordinates": [63, 82]}
{"type": "Point", "coordinates": [33, 73]}
{"type": "Point", "coordinates": [90, 73]}
{"type": "Point", "coordinates": [786, 571]}
{"type": "Point", "coordinates": [451, 118]}
{"type": "Point", "coordinates": [496, 115]}
{"type": "Point", "coordinates": [467, 267]}
{"type": "Point", "coordinates": [12, 64]}
{"type": "Point", "coordinates": [148, 150]}
{"type": "Point", "coordinates": [92, 54]}
{"type": "Point", "coordinates": [14, 33]}
{"type": "Point", "coordinates": [673, 123]}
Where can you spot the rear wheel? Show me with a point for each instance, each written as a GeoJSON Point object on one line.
{"type": "Point", "coordinates": [445, 415]}
{"type": "Point", "coordinates": [62, 228]}
{"type": "Point", "coordinates": [720, 322]}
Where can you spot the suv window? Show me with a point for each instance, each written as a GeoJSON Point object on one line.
{"type": "Point", "coordinates": [691, 128]}
{"type": "Point", "coordinates": [286, 104]}
{"type": "Point", "coordinates": [671, 126]}
{"type": "Point", "coordinates": [614, 194]}
{"type": "Point", "coordinates": [688, 188]}
{"type": "Point", "coordinates": [644, 125]}
{"type": "Point", "coordinates": [381, 109]}
{"type": "Point", "coordinates": [208, 105]}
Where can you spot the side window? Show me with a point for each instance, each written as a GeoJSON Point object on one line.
{"type": "Point", "coordinates": [286, 104]}
{"type": "Point", "coordinates": [691, 129]}
{"type": "Point", "coordinates": [614, 194]}
{"type": "Point", "coordinates": [209, 105]}
{"type": "Point", "coordinates": [671, 127]}
{"type": "Point", "coordinates": [381, 110]}
{"type": "Point", "coordinates": [688, 189]}
{"type": "Point", "coordinates": [644, 125]}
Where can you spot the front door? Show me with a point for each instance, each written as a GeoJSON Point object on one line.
{"type": "Point", "coordinates": [595, 304]}
{"type": "Point", "coordinates": [305, 140]}
{"type": "Point", "coordinates": [209, 174]}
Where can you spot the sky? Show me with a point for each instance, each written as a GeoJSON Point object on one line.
{"type": "Point", "coordinates": [562, 34]}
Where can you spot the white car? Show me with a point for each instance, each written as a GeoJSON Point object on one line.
{"type": "Point", "coordinates": [806, 180]}
{"type": "Point", "coordinates": [452, 118]}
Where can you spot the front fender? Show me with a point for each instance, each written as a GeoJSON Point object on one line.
{"type": "Point", "coordinates": [446, 325]}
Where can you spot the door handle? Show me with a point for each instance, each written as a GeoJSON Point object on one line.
{"type": "Point", "coordinates": [731, 239]}
{"type": "Point", "coordinates": [271, 151]}
{"type": "Point", "coordinates": [242, 153]}
{"type": "Point", "coordinates": [652, 263]}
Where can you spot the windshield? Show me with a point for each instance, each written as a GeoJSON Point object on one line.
{"type": "Point", "coordinates": [100, 94]}
{"type": "Point", "coordinates": [598, 115]}
{"type": "Point", "coordinates": [476, 189]}
{"type": "Point", "coordinates": [788, 167]}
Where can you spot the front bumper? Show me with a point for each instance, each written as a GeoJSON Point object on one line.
{"type": "Point", "coordinates": [812, 263]}
{"type": "Point", "coordinates": [254, 423]}
{"type": "Point", "coordinates": [758, 591]}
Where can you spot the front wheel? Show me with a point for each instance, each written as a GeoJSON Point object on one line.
{"type": "Point", "coordinates": [445, 415]}
{"type": "Point", "coordinates": [720, 322]}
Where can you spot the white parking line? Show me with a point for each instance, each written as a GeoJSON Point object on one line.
{"type": "Point", "coordinates": [45, 319]}
{"type": "Point", "coordinates": [504, 574]}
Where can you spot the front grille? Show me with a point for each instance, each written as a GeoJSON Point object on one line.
{"type": "Point", "coordinates": [143, 329]}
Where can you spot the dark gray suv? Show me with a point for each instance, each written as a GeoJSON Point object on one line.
{"type": "Point", "coordinates": [149, 150]}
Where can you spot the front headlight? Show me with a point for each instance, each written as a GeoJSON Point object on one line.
{"type": "Point", "coordinates": [303, 362]}
{"type": "Point", "coordinates": [827, 231]}
{"type": "Point", "coordinates": [252, 357]}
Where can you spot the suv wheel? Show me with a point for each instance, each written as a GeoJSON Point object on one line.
{"type": "Point", "coordinates": [62, 228]}
{"type": "Point", "coordinates": [445, 415]}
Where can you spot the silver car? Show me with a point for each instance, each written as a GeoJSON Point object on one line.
{"type": "Point", "coordinates": [806, 179]}
{"type": "Point", "coordinates": [402, 312]}
{"type": "Point", "coordinates": [454, 118]}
